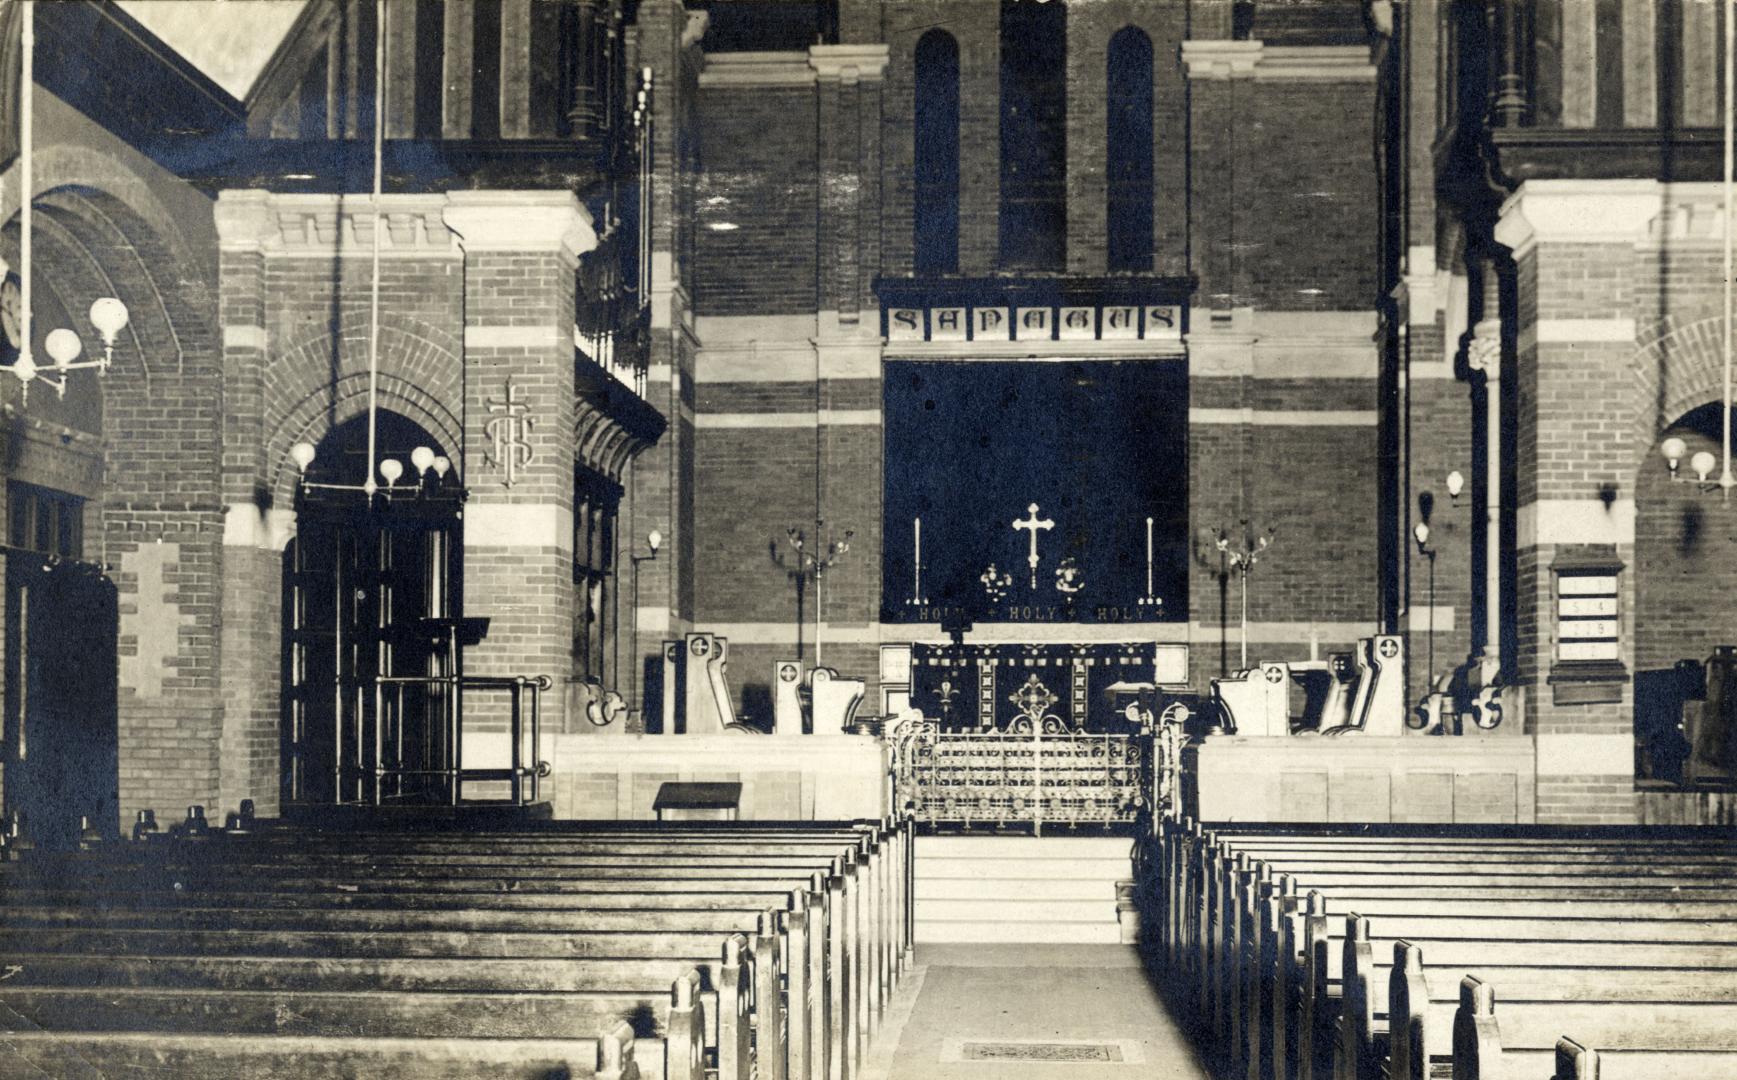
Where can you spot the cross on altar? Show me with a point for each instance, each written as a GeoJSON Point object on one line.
{"type": "Point", "coordinates": [1032, 524]}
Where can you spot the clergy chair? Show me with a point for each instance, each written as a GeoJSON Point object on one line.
{"type": "Point", "coordinates": [696, 692]}
{"type": "Point", "coordinates": [1378, 708]}
{"type": "Point", "coordinates": [1256, 702]}
{"type": "Point", "coordinates": [787, 698]}
{"type": "Point", "coordinates": [832, 701]}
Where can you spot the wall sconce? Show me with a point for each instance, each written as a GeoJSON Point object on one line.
{"type": "Point", "coordinates": [1456, 483]}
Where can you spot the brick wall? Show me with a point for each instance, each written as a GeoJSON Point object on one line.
{"type": "Point", "coordinates": [1306, 235]}
{"type": "Point", "coordinates": [758, 149]}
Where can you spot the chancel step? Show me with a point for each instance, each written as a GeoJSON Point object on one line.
{"type": "Point", "coordinates": [1059, 889]}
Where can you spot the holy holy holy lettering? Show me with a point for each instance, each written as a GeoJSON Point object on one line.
{"type": "Point", "coordinates": [997, 584]}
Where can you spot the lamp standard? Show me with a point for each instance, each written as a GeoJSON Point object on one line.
{"type": "Point", "coordinates": [1241, 562]}
{"type": "Point", "coordinates": [1421, 534]}
{"type": "Point", "coordinates": [653, 541]}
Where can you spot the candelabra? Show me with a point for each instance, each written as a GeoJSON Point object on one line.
{"type": "Point", "coordinates": [803, 562]}
{"type": "Point", "coordinates": [1241, 562]}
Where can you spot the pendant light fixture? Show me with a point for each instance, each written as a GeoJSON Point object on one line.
{"type": "Point", "coordinates": [422, 459]}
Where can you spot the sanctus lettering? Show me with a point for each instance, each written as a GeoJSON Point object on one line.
{"type": "Point", "coordinates": [1163, 322]}
{"type": "Point", "coordinates": [1077, 323]}
{"type": "Point", "coordinates": [905, 324]}
{"type": "Point", "coordinates": [947, 324]}
{"type": "Point", "coordinates": [1120, 323]}
{"type": "Point", "coordinates": [990, 324]}
{"type": "Point", "coordinates": [1033, 324]}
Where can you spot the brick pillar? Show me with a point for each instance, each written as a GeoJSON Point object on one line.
{"type": "Point", "coordinates": [520, 253]}
{"type": "Point", "coordinates": [848, 84]}
{"type": "Point", "coordinates": [254, 530]}
{"type": "Point", "coordinates": [1219, 73]}
{"type": "Point", "coordinates": [1575, 282]}
{"type": "Point", "coordinates": [660, 479]}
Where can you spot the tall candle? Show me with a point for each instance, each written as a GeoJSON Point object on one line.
{"type": "Point", "coordinates": [917, 560]}
{"type": "Point", "coordinates": [1148, 556]}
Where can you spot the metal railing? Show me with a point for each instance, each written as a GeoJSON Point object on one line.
{"type": "Point", "coordinates": [404, 771]}
{"type": "Point", "coordinates": [1034, 775]}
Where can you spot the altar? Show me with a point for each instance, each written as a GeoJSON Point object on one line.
{"type": "Point", "coordinates": [1050, 687]}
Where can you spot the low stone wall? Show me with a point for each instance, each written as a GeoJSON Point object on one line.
{"type": "Point", "coordinates": [1404, 779]}
{"type": "Point", "coordinates": [792, 778]}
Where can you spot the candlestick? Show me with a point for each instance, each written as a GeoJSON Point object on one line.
{"type": "Point", "coordinates": [916, 560]}
{"type": "Point", "coordinates": [1149, 600]}
{"type": "Point", "coordinates": [1148, 556]}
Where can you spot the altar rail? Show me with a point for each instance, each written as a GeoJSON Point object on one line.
{"type": "Point", "coordinates": [1034, 778]}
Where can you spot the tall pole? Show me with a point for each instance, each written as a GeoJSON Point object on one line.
{"type": "Point", "coordinates": [1245, 570]}
{"type": "Point", "coordinates": [1726, 481]}
{"type": "Point", "coordinates": [26, 172]}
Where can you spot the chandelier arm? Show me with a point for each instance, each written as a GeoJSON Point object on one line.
{"type": "Point", "coordinates": [374, 284]}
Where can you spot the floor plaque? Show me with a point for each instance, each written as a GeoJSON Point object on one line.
{"type": "Point", "coordinates": [1044, 1051]}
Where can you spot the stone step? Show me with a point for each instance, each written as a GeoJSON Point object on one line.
{"type": "Point", "coordinates": [1034, 888]}
{"type": "Point", "coordinates": [937, 931]}
{"type": "Point", "coordinates": [1018, 869]}
{"type": "Point", "coordinates": [1033, 847]}
{"type": "Point", "coordinates": [1099, 909]}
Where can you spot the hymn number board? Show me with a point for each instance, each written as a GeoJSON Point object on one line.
{"type": "Point", "coordinates": [1587, 627]}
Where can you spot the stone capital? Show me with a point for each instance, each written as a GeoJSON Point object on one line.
{"type": "Point", "coordinates": [694, 27]}
{"type": "Point", "coordinates": [1484, 350]}
{"type": "Point", "coordinates": [1578, 212]}
{"type": "Point", "coordinates": [244, 220]}
{"type": "Point", "coordinates": [1219, 59]}
{"type": "Point", "coordinates": [520, 221]}
{"type": "Point", "coordinates": [848, 62]}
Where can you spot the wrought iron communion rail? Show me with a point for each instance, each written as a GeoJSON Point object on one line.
{"type": "Point", "coordinates": [1033, 775]}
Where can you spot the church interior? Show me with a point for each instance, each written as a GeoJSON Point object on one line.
{"type": "Point", "coordinates": [717, 538]}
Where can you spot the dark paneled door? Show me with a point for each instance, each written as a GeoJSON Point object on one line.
{"type": "Point", "coordinates": [61, 752]}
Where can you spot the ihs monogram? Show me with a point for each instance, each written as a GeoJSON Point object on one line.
{"type": "Point", "coordinates": [509, 430]}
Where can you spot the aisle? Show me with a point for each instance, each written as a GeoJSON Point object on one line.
{"type": "Point", "coordinates": [1030, 1012]}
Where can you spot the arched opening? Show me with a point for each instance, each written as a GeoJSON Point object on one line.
{"type": "Point", "coordinates": [59, 747]}
{"type": "Point", "coordinates": [935, 211]}
{"type": "Point", "coordinates": [369, 592]}
{"type": "Point", "coordinates": [1685, 574]}
{"type": "Point", "coordinates": [1128, 132]}
{"type": "Point", "coordinates": [1033, 135]}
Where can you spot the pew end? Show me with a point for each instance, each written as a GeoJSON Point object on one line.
{"type": "Point", "coordinates": [1575, 1062]}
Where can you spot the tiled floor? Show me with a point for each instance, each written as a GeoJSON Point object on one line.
{"type": "Point", "coordinates": [1074, 997]}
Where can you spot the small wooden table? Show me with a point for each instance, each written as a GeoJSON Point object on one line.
{"type": "Point", "coordinates": [719, 801]}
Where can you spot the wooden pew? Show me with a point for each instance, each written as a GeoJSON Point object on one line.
{"type": "Point", "coordinates": [1576, 1062]}
{"type": "Point", "coordinates": [1649, 1039]}
{"type": "Point", "coordinates": [878, 915]}
{"type": "Point", "coordinates": [1227, 919]}
{"type": "Point", "coordinates": [32, 1055]}
{"type": "Point", "coordinates": [1219, 953]}
{"type": "Point", "coordinates": [1422, 995]}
